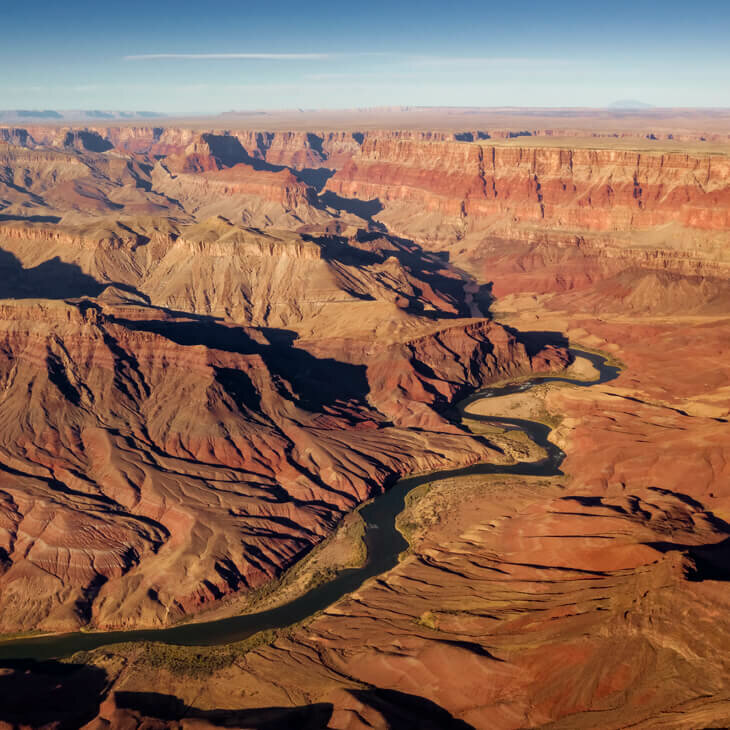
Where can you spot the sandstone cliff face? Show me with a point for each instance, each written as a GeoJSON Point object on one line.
{"type": "Point", "coordinates": [52, 182]}
{"type": "Point", "coordinates": [291, 149]}
{"type": "Point", "coordinates": [319, 147]}
{"type": "Point", "coordinates": [273, 277]}
{"type": "Point", "coordinates": [603, 274]}
{"type": "Point", "coordinates": [508, 189]}
{"type": "Point", "coordinates": [241, 194]}
{"type": "Point", "coordinates": [563, 218]}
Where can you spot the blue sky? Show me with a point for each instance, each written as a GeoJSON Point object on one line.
{"type": "Point", "coordinates": [216, 56]}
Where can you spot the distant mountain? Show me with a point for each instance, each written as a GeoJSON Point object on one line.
{"type": "Point", "coordinates": [73, 115]}
{"type": "Point", "coordinates": [630, 105]}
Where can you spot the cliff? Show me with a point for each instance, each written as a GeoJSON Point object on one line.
{"type": "Point", "coordinates": [274, 277]}
{"type": "Point", "coordinates": [564, 217]}
{"type": "Point", "coordinates": [509, 189]}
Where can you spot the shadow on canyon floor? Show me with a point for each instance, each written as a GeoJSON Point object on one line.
{"type": "Point", "coordinates": [395, 710]}
{"type": "Point", "coordinates": [230, 152]}
{"type": "Point", "coordinates": [37, 694]}
{"type": "Point", "coordinates": [315, 177]}
{"type": "Point", "coordinates": [53, 279]}
{"type": "Point", "coordinates": [535, 341]}
{"type": "Point", "coordinates": [710, 561]}
{"type": "Point", "coordinates": [372, 247]}
{"type": "Point", "coordinates": [68, 695]}
{"type": "Point", "coordinates": [89, 141]}
{"type": "Point", "coordinates": [316, 382]}
{"type": "Point", "coordinates": [315, 142]}
{"type": "Point", "coordinates": [409, 712]}
{"type": "Point", "coordinates": [171, 709]}
{"type": "Point", "coordinates": [364, 209]}
{"type": "Point", "coordinates": [484, 297]}
{"type": "Point", "coordinates": [30, 218]}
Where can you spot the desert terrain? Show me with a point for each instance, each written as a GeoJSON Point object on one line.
{"type": "Point", "coordinates": [220, 338]}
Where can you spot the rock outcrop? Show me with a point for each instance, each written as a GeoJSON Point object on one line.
{"type": "Point", "coordinates": [166, 447]}
{"type": "Point", "coordinates": [564, 216]}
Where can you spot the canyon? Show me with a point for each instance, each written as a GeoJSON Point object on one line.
{"type": "Point", "coordinates": [217, 342]}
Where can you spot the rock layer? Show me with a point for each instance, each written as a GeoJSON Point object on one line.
{"type": "Point", "coordinates": [515, 190]}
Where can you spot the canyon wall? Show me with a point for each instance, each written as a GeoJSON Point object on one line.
{"type": "Point", "coordinates": [555, 219]}
{"type": "Point", "coordinates": [512, 189]}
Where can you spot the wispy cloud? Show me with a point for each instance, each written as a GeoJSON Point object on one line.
{"type": "Point", "coordinates": [229, 56]}
{"type": "Point", "coordinates": [419, 59]}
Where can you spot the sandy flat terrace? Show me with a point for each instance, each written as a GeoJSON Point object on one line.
{"type": "Point", "coordinates": [437, 119]}
{"type": "Point", "coordinates": [634, 144]}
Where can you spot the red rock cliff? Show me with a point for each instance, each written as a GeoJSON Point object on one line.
{"type": "Point", "coordinates": [561, 189]}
